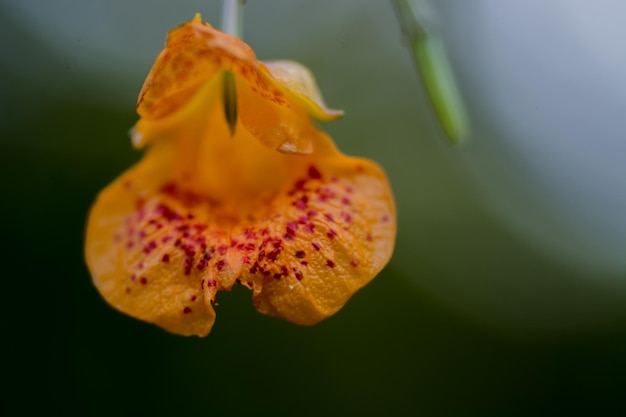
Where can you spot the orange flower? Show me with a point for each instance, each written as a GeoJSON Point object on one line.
{"type": "Point", "coordinates": [237, 186]}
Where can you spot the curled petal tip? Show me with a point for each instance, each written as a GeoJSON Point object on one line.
{"type": "Point", "coordinates": [297, 78]}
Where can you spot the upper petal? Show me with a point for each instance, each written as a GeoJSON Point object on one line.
{"type": "Point", "coordinates": [276, 101]}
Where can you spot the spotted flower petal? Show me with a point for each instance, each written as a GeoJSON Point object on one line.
{"type": "Point", "coordinates": [236, 187]}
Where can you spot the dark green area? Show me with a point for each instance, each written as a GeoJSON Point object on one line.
{"type": "Point", "coordinates": [394, 350]}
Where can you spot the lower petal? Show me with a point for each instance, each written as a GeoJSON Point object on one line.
{"type": "Point", "coordinates": [131, 268]}
{"type": "Point", "coordinates": [159, 251]}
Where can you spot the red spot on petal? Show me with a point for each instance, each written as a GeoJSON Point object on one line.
{"type": "Point", "coordinates": [169, 188]}
{"type": "Point", "coordinates": [167, 213]}
{"type": "Point", "coordinates": [291, 229]}
{"type": "Point", "coordinates": [325, 193]}
{"type": "Point", "coordinates": [254, 268]}
{"type": "Point", "coordinates": [186, 310]}
{"type": "Point", "coordinates": [331, 234]}
{"type": "Point", "coordinates": [330, 263]}
{"type": "Point", "coordinates": [204, 261]}
{"type": "Point", "coordinates": [354, 262]}
{"type": "Point", "coordinates": [188, 264]}
{"type": "Point", "coordinates": [273, 255]}
{"type": "Point", "coordinates": [193, 297]}
{"type": "Point", "coordinates": [143, 280]}
{"type": "Point", "coordinates": [220, 264]}
{"type": "Point", "coordinates": [316, 245]}
{"type": "Point", "coordinates": [299, 275]}
{"type": "Point", "coordinates": [314, 173]}
{"type": "Point", "coordinates": [190, 250]}
{"type": "Point", "coordinates": [149, 247]}
{"type": "Point", "coordinates": [165, 258]}
{"type": "Point", "coordinates": [140, 203]}
{"type": "Point", "coordinates": [300, 254]}
{"type": "Point", "coordinates": [301, 203]}
{"type": "Point", "coordinates": [199, 227]}
{"type": "Point", "coordinates": [299, 185]}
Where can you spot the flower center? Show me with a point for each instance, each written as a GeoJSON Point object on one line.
{"type": "Point", "coordinates": [216, 160]}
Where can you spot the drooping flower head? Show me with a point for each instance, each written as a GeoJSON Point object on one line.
{"type": "Point", "coordinates": [237, 186]}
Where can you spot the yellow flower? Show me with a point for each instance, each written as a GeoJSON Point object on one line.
{"type": "Point", "coordinates": [237, 186]}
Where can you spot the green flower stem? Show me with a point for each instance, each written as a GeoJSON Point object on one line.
{"type": "Point", "coordinates": [434, 68]}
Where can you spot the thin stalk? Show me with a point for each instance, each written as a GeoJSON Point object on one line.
{"type": "Point", "coordinates": [232, 17]}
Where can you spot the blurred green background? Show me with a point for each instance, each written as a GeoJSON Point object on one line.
{"type": "Point", "coordinates": [475, 315]}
